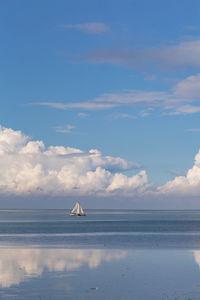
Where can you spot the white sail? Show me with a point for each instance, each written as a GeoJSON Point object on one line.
{"type": "Point", "coordinates": [77, 210]}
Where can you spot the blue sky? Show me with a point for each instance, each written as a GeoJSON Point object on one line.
{"type": "Point", "coordinates": [118, 76]}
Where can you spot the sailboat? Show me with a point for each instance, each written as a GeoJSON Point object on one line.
{"type": "Point", "coordinates": [77, 210]}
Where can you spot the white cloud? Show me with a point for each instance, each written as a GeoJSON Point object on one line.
{"type": "Point", "coordinates": [28, 168]}
{"type": "Point", "coordinates": [17, 265]}
{"type": "Point", "coordinates": [146, 112]}
{"type": "Point", "coordinates": [109, 100]}
{"type": "Point", "coordinates": [124, 116]}
{"type": "Point", "coordinates": [189, 88]}
{"type": "Point", "coordinates": [184, 185]}
{"type": "Point", "coordinates": [182, 99]}
{"type": "Point", "coordinates": [82, 115]}
{"type": "Point", "coordinates": [88, 105]}
{"type": "Point", "coordinates": [64, 129]}
{"type": "Point", "coordinates": [121, 182]}
{"type": "Point", "coordinates": [185, 109]}
{"type": "Point", "coordinates": [90, 27]}
{"type": "Point", "coordinates": [11, 141]}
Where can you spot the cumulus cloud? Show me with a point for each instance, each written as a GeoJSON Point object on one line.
{"type": "Point", "coordinates": [17, 265]}
{"type": "Point", "coordinates": [184, 185]}
{"type": "Point", "coordinates": [28, 167]}
{"type": "Point", "coordinates": [90, 27]}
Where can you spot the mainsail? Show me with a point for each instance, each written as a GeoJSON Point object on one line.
{"type": "Point", "coordinates": [77, 210]}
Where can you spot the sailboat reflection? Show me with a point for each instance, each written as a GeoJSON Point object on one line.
{"type": "Point", "coordinates": [196, 254]}
{"type": "Point", "coordinates": [17, 265]}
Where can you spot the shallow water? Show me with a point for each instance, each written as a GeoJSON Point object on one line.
{"type": "Point", "coordinates": [126, 255]}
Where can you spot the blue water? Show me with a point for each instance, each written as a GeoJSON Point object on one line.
{"type": "Point", "coordinates": [108, 230]}
{"type": "Point", "coordinates": [119, 255]}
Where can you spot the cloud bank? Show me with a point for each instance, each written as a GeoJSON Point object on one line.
{"type": "Point", "coordinates": [27, 167]}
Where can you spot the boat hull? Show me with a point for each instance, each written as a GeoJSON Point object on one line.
{"type": "Point", "coordinates": [77, 215]}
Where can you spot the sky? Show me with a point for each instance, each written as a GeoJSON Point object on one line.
{"type": "Point", "coordinates": [100, 102]}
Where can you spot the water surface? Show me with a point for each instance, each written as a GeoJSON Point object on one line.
{"type": "Point", "coordinates": [108, 255]}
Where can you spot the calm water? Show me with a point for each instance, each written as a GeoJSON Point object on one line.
{"type": "Point", "coordinates": [119, 255]}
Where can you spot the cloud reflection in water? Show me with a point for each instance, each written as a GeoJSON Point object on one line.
{"type": "Point", "coordinates": [16, 265]}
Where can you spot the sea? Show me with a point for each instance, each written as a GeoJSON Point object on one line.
{"type": "Point", "coordinates": [108, 254]}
